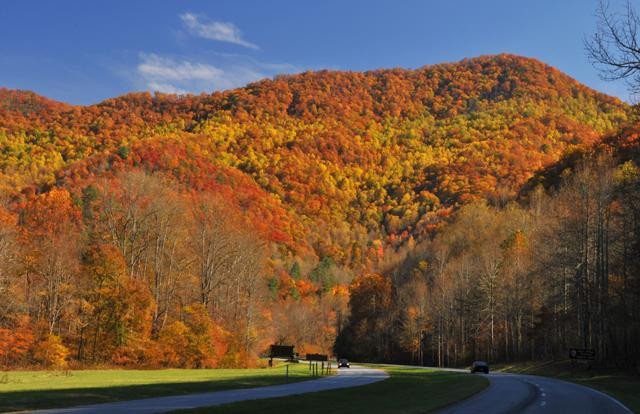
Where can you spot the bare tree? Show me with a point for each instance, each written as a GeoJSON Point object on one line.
{"type": "Point", "coordinates": [614, 48]}
{"type": "Point", "coordinates": [165, 254]}
{"type": "Point", "coordinates": [144, 217]}
{"type": "Point", "coordinates": [227, 261]}
{"type": "Point", "coordinates": [9, 301]}
{"type": "Point", "coordinates": [127, 215]}
{"type": "Point", "coordinates": [213, 246]}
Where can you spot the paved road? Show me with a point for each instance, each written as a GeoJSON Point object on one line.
{"type": "Point", "coordinates": [351, 377]}
{"type": "Point", "coordinates": [529, 394]}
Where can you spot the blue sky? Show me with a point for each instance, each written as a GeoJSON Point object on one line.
{"type": "Point", "coordinates": [84, 51]}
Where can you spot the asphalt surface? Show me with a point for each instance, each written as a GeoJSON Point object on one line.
{"type": "Point", "coordinates": [347, 377]}
{"type": "Point", "coordinates": [506, 394]}
{"type": "Point", "coordinates": [530, 394]}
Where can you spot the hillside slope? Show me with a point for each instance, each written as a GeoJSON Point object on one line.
{"type": "Point", "coordinates": [297, 184]}
{"type": "Point", "coordinates": [519, 281]}
{"type": "Point", "coordinates": [388, 149]}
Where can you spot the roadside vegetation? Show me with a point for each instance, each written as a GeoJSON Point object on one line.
{"type": "Point", "coordinates": [24, 390]}
{"type": "Point", "coordinates": [618, 384]}
{"type": "Point", "coordinates": [408, 390]}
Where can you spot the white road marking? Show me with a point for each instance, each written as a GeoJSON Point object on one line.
{"type": "Point", "coordinates": [543, 403]}
{"type": "Point", "coordinates": [544, 395]}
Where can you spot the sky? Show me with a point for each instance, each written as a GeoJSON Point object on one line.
{"type": "Point", "coordinates": [84, 51]}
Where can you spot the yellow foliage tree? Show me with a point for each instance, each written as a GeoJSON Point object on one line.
{"type": "Point", "coordinates": [51, 352]}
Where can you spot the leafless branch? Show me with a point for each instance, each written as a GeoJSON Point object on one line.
{"type": "Point", "coordinates": [614, 49]}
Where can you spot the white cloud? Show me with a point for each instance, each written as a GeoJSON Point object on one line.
{"type": "Point", "coordinates": [213, 30]}
{"type": "Point", "coordinates": [165, 88]}
{"type": "Point", "coordinates": [158, 67]}
{"type": "Point", "coordinates": [168, 75]}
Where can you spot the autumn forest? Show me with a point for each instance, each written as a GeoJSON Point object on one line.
{"type": "Point", "coordinates": [488, 208]}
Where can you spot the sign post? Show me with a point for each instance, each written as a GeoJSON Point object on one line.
{"type": "Point", "coordinates": [317, 358]}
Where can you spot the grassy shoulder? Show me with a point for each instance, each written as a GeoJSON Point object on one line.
{"type": "Point", "coordinates": [618, 384]}
{"type": "Point", "coordinates": [408, 390]}
{"type": "Point", "coordinates": [22, 390]}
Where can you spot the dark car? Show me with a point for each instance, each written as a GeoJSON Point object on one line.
{"type": "Point", "coordinates": [343, 363]}
{"type": "Point", "coordinates": [479, 366]}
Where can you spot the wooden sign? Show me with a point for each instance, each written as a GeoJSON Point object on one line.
{"type": "Point", "coordinates": [317, 357]}
{"type": "Point", "coordinates": [580, 353]}
{"type": "Point", "coordinates": [281, 351]}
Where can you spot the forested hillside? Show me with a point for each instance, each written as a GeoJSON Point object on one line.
{"type": "Point", "coordinates": [195, 230]}
{"type": "Point", "coordinates": [557, 267]}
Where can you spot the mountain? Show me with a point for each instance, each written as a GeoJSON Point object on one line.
{"type": "Point", "coordinates": [339, 173]}
{"type": "Point", "coordinates": [389, 149]}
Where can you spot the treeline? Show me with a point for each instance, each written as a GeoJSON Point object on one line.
{"type": "Point", "coordinates": [139, 272]}
{"type": "Point", "coordinates": [516, 282]}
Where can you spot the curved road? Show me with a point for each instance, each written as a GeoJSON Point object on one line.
{"type": "Point", "coordinates": [530, 394]}
{"type": "Point", "coordinates": [352, 377]}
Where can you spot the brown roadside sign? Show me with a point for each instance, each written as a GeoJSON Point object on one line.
{"type": "Point", "coordinates": [317, 357]}
{"type": "Point", "coordinates": [281, 351]}
{"type": "Point", "coordinates": [582, 353]}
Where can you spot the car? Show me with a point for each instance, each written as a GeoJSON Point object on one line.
{"type": "Point", "coordinates": [343, 363]}
{"type": "Point", "coordinates": [479, 366]}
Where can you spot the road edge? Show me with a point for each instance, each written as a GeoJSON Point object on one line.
{"type": "Point", "coordinates": [114, 406]}
{"type": "Point", "coordinates": [458, 370]}
{"type": "Point", "coordinates": [591, 389]}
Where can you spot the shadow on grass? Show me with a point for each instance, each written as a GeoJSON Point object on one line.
{"type": "Point", "coordinates": [406, 391]}
{"type": "Point", "coordinates": [55, 398]}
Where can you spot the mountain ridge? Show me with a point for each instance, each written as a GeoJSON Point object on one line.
{"type": "Point", "coordinates": [340, 142]}
{"type": "Point", "coordinates": [505, 58]}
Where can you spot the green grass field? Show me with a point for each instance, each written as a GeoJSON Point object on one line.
{"type": "Point", "coordinates": [21, 390]}
{"type": "Point", "coordinates": [618, 384]}
{"type": "Point", "coordinates": [406, 391]}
